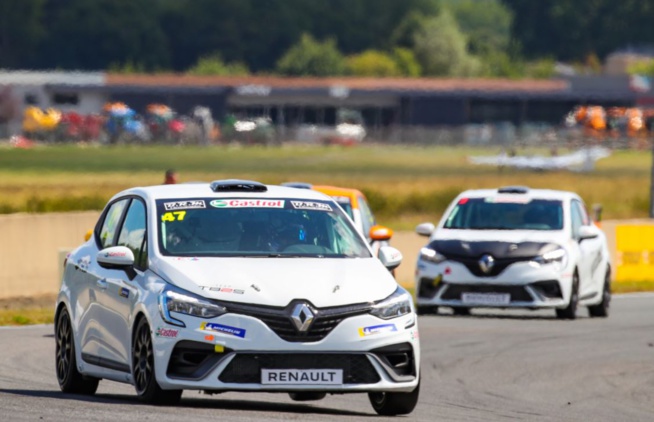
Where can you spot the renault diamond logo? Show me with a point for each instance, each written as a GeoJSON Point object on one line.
{"type": "Point", "coordinates": [302, 317]}
{"type": "Point", "coordinates": [486, 263]}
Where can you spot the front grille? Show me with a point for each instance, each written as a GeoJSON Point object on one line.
{"type": "Point", "coordinates": [245, 368]}
{"type": "Point", "coordinates": [518, 293]}
{"type": "Point", "coordinates": [472, 264]}
{"type": "Point", "coordinates": [279, 321]}
{"type": "Point", "coordinates": [193, 360]}
{"type": "Point", "coordinates": [428, 288]}
{"type": "Point", "coordinates": [549, 289]}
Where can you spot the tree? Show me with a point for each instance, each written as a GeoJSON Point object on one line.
{"type": "Point", "coordinates": [441, 48]}
{"type": "Point", "coordinates": [312, 58]}
{"type": "Point", "coordinates": [214, 65]}
{"type": "Point", "coordinates": [21, 31]}
{"type": "Point", "coordinates": [406, 62]}
{"type": "Point", "coordinates": [486, 23]}
{"type": "Point", "coordinates": [372, 63]}
{"type": "Point", "coordinates": [92, 35]}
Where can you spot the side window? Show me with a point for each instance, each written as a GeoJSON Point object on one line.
{"type": "Point", "coordinates": [110, 224]}
{"type": "Point", "coordinates": [577, 219]}
{"type": "Point", "coordinates": [132, 234]}
{"type": "Point", "coordinates": [367, 218]}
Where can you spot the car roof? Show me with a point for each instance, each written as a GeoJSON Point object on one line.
{"type": "Point", "coordinates": [203, 190]}
{"type": "Point", "coordinates": [530, 193]}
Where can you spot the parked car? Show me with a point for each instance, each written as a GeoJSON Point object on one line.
{"type": "Point", "coordinates": [235, 286]}
{"type": "Point", "coordinates": [514, 247]}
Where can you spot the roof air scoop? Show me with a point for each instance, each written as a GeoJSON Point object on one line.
{"type": "Point", "coordinates": [236, 185]}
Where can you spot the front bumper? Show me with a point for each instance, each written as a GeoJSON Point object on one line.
{"type": "Point", "coordinates": [526, 285]}
{"type": "Point", "coordinates": [228, 353]}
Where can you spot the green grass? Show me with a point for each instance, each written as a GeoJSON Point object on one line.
{"type": "Point", "coordinates": [27, 316]}
{"type": "Point", "coordinates": [404, 184]}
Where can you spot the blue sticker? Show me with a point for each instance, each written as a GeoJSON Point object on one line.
{"type": "Point", "coordinates": [124, 292]}
{"type": "Point", "coordinates": [376, 329]}
{"type": "Point", "coordinates": [225, 329]}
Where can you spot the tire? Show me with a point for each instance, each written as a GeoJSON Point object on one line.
{"type": "Point", "coordinates": [427, 310]}
{"type": "Point", "coordinates": [143, 374]}
{"type": "Point", "coordinates": [461, 311]}
{"type": "Point", "coordinates": [307, 395]}
{"type": "Point", "coordinates": [70, 380]}
{"type": "Point", "coordinates": [601, 310]}
{"type": "Point", "coordinates": [570, 311]}
{"type": "Point", "coordinates": [391, 404]}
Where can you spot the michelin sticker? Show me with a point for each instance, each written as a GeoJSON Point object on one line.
{"type": "Point", "coordinates": [376, 329]}
{"type": "Point", "coordinates": [247, 203]}
{"type": "Point", "coordinates": [308, 205]}
{"type": "Point", "coordinates": [224, 329]}
{"type": "Point", "coordinates": [184, 205]}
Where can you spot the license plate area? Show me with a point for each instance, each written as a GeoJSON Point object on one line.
{"type": "Point", "coordinates": [486, 298]}
{"type": "Point", "coordinates": [301, 376]}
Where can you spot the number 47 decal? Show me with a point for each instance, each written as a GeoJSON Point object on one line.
{"type": "Point", "coordinates": [173, 216]}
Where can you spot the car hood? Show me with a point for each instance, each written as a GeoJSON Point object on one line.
{"type": "Point", "coordinates": [277, 281]}
{"type": "Point", "coordinates": [510, 236]}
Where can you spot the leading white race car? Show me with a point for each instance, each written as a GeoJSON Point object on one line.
{"type": "Point", "coordinates": [514, 247]}
{"type": "Point", "coordinates": [235, 286]}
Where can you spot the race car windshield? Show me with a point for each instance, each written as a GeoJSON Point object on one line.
{"type": "Point", "coordinates": [280, 228]}
{"type": "Point", "coordinates": [510, 213]}
{"type": "Point", "coordinates": [344, 202]}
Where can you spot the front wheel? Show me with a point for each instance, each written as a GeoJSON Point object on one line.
{"type": "Point", "coordinates": [391, 404]}
{"type": "Point", "coordinates": [602, 309]}
{"type": "Point", "coordinates": [570, 311]}
{"type": "Point", "coordinates": [70, 379]}
{"type": "Point", "coordinates": [143, 374]}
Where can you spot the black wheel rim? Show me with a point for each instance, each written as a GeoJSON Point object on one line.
{"type": "Point", "coordinates": [64, 350]}
{"type": "Point", "coordinates": [378, 399]}
{"type": "Point", "coordinates": [142, 358]}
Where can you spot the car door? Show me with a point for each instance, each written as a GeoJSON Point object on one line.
{"type": "Point", "coordinates": [117, 291]}
{"type": "Point", "coordinates": [92, 329]}
{"type": "Point", "coordinates": [590, 253]}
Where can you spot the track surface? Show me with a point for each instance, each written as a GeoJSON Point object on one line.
{"type": "Point", "coordinates": [492, 366]}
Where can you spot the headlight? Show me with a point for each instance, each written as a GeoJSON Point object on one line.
{"type": "Point", "coordinates": [396, 305]}
{"type": "Point", "coordinates": [558, 257]}
{"type": "Point", "coordinates": [431, 255]}
{"type": "Point", "coordinates": [172, 301]}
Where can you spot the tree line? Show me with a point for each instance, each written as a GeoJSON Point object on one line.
{"type": "Point", "coordinates": [457, 38]}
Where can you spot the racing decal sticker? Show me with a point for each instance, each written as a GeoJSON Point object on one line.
{"type": "Point", "coordinates": [124, 292]}
{"type": "Point", "coordinates": [223, 329]}
{"type": "Point", "coordinates": [173, 216]}
{"type": "Point", "coordinates": [376, 329]}
{"type": "Point", "coordinates": [166, 332]}
{"type": "Point", "coordinates": [415, 335]}
{"type": "Point", "coordinates": [309, 205]}
{"type": "Point", "coordinates": [184, 205]}
{"type": "Point", "coordinates": [223, 289]}
{"type": "Point", "coordinates": [247, 203]}
{"type": "Point", "coordinates": [512, 199]}
{"type": "Point", "coordinates": [114, 254]}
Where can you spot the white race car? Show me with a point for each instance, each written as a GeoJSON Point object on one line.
{"type": "Point", "coordinates": [514, 247]}
{"type": "Point", "coordinates": [235, 286]}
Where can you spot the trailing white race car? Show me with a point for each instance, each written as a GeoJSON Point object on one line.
{"type": "Point", "coordinates": [235, 286]}
{"type": "Point", "coordinates": [514, 247]}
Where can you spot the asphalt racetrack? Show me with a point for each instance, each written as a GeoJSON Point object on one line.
{"type": "Point", "coordinates": [491, 366]}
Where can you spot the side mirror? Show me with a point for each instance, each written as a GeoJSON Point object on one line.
{"type": "Point", "coordinates": [380, 233]}
{"type": "Point", "coordinates": [117, 258]}
{"type": "Point", "coordinates": [425, 229]}
{"type": "Point", "coordinates": [390, 257]}
{"type": "Point", "coordinates": [588, 232]}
